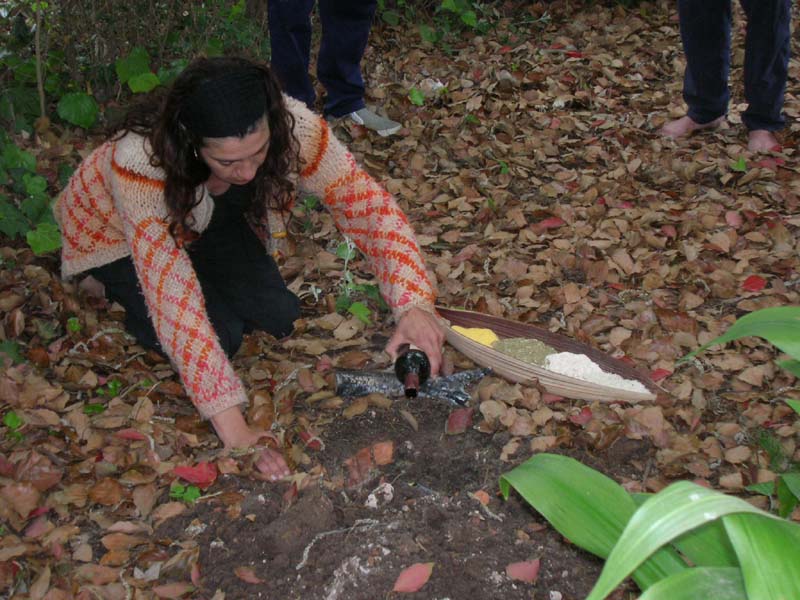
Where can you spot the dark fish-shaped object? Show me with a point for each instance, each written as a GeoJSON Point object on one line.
{"type": "Point", "coordinates": [452, 388]}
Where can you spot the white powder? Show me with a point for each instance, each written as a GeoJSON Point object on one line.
{"type": "Point", "coordinates": [584, 368]}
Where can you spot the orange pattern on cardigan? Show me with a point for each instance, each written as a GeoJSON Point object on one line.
{"type": "Point", "coordinates": [114, 207]}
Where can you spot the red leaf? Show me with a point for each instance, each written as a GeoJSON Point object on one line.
{"type": "Point", "coordinates": [459, 421]}
{"type": "Point", "coordinates": [203, 475]}
{"type": "Point", "coordinates": [548, 223]}
{"type": "Point", "coordinates": [310, 441]}
{"type": "Point", "coordinates": [131, 434]}
{"type": "Point", "coordinates": [669, 231]}
{"type": "Point", "coordinates": [659, 374]}
{"type": "Point", "coordinates": [552, 222]}
{"type": "Point", "coordinates": [575, 54]}
{"type": "Point", "coordinates": [733, 218]}
{"type": "Point", "coordinates": [413, 577]}
{"type": "Point", "coordinates": [754, 283]}
{"type": "Point", "coordinates": [582, 417]}
{"type": "Point", "coordinates": [42, 510]}
{"type": "Point", "coordinates": [527, 571]}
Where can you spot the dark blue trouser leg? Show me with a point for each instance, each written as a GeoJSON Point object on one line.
{"type": "Point", "coordinates": [345, 32]}
{"type": "Point", "coordinates": [766, 62]}
{"type": "Point", "coordinates": [290, 46]}
{"type": "Point", "coordinates": [706, 35]}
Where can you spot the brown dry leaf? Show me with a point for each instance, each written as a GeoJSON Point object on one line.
{"type": "Point", "coordinates": [167, 511]}
{"type": "Point", "coordinates": [107, 492]}
{"type": "Point", "coordinates": [353, 359]}
{"type": "Point", "coordinates": [121, 541]}
{"type": "Point", "coordinates": [22, 497]}
{"type": "Point", "coordinates": [509, 449]}
{"type": "Point", "coordinates": [247, 574]}
{"type": "Point", "coordinates": [36, 391]}
{"type": "Point", "coordinates": [144, 498]}
{"type": "Point", "coordinates": [493, 411]}
{"type": "Point", "coordinates": [356, 407]}
{"type": "Point", "coordinates": [738, 454]}
{"type": "Point", "coordinates": [753, 375]}
{"type": "Point", "coordinates": [96, 574]}
{"type": "Point", "coordinates": [409, 418]}
{"type": "Point", "coordinates": [173, 590]}
{"type": "Point", "coordinates": [347, 329]}
{"type": "Point", "coordinates": [305, 380]}
{"type": "Point", "coordinates": [481, 496]}
{"type": "Point", "coordinates": [732, 481]}
{"type": "Point", "coordinates": [543, 443]}
{"type": "Point", "coordinates": [39, 471]}
{"type": "Point", "coordinates": [379, 401]}
{"type": "Point", "coordinates": [41, 584]}
{"type": "Point", "coordinates": [383, 453]}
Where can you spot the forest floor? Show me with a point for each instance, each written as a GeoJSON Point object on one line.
{"type": "Point", "coordinates": [540, 192]}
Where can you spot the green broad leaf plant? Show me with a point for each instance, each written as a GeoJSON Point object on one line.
{"type": "Point", "coordinates": [683, 543]}
{"type": "Point", "coordinates": [686, 541]}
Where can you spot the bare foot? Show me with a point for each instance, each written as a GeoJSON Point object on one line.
{"type": "Point", "coordinates": [685, 125]}
{"type": "Point", "coordinates": [761, 140]}
{"type": "Point", "coordinates": [272, 465]}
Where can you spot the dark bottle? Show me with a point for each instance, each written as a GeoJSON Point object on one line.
{"type": "Point", "coordinates": [413, 369]}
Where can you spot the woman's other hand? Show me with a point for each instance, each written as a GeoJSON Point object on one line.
{"type": "Point", "coordinates": [422, 329]}
{"type": "Point", "coordinates": [234, 432]}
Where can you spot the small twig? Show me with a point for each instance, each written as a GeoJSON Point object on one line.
{"type": "Point", "coordinates": [208, 496]}
{"type": "Point", "coordinates": [126, 585]}
{"type": "Point", "coordinates": [38, 51]}
{"type": "Point", "coordinates": [84, 345]}
{"type": "Point", "coordinates": [486, 509]}
{"type": "Point", "coordinates": [360, 524]}
{"type": "Point", "coordinates": [646, 473]}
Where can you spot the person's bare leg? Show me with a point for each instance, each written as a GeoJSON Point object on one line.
{"type": "Point", "coordinates": [685, 125]}
{"type": "Point", "coordinates": [761, 140]}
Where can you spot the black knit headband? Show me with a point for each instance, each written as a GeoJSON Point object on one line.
{"type": "Point", "coordinates": [226, 106]}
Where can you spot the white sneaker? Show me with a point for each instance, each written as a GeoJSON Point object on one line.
{"type": "Point", "coordinates": [380, 125]}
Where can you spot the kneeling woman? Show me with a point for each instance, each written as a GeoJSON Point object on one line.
{"type": "Point", "coordinates": [176, 212]}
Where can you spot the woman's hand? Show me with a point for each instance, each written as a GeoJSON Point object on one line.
{"type": "Point", "coordinates": [422, 329]}
{"type": "Point", "coordinates": [234, 432]}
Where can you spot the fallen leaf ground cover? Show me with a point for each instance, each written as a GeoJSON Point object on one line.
{"type": "Point", "coordinates": [540, 191]}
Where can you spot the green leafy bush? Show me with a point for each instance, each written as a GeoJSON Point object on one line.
{"type": "Point", "coordinates": [30, 215]}
{"type": "Point", "coordinates": [79, 109]}
{"type": "Point", "coordinates": [436, 20]}
{"type": "Point", "coordinates": [686, 542]}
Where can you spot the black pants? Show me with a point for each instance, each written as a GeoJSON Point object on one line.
{"type": "Point", "coordinates": [706, 35]}
{"type": "Point", "coordinates": [241, 284]}
{"type": "Point", "coordinates": [345, 32]}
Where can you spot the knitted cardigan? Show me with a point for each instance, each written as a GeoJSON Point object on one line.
{"type": "Point", "coordinates": [114, 207]}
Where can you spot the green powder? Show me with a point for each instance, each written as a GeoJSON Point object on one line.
{"type": "Point", "coordinates": [528, 350]}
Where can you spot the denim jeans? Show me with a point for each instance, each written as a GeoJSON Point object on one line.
{"type": "Point", "coordinates": [706, 34]}
{"type": "Point", "coordinates": [345, 32]}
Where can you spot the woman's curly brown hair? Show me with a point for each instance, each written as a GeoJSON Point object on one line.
{"type": "Point", "coordinates": [176, 150]}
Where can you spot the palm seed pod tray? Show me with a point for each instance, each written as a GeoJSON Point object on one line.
{"type": "Point", "coordinates": [519, 371]}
